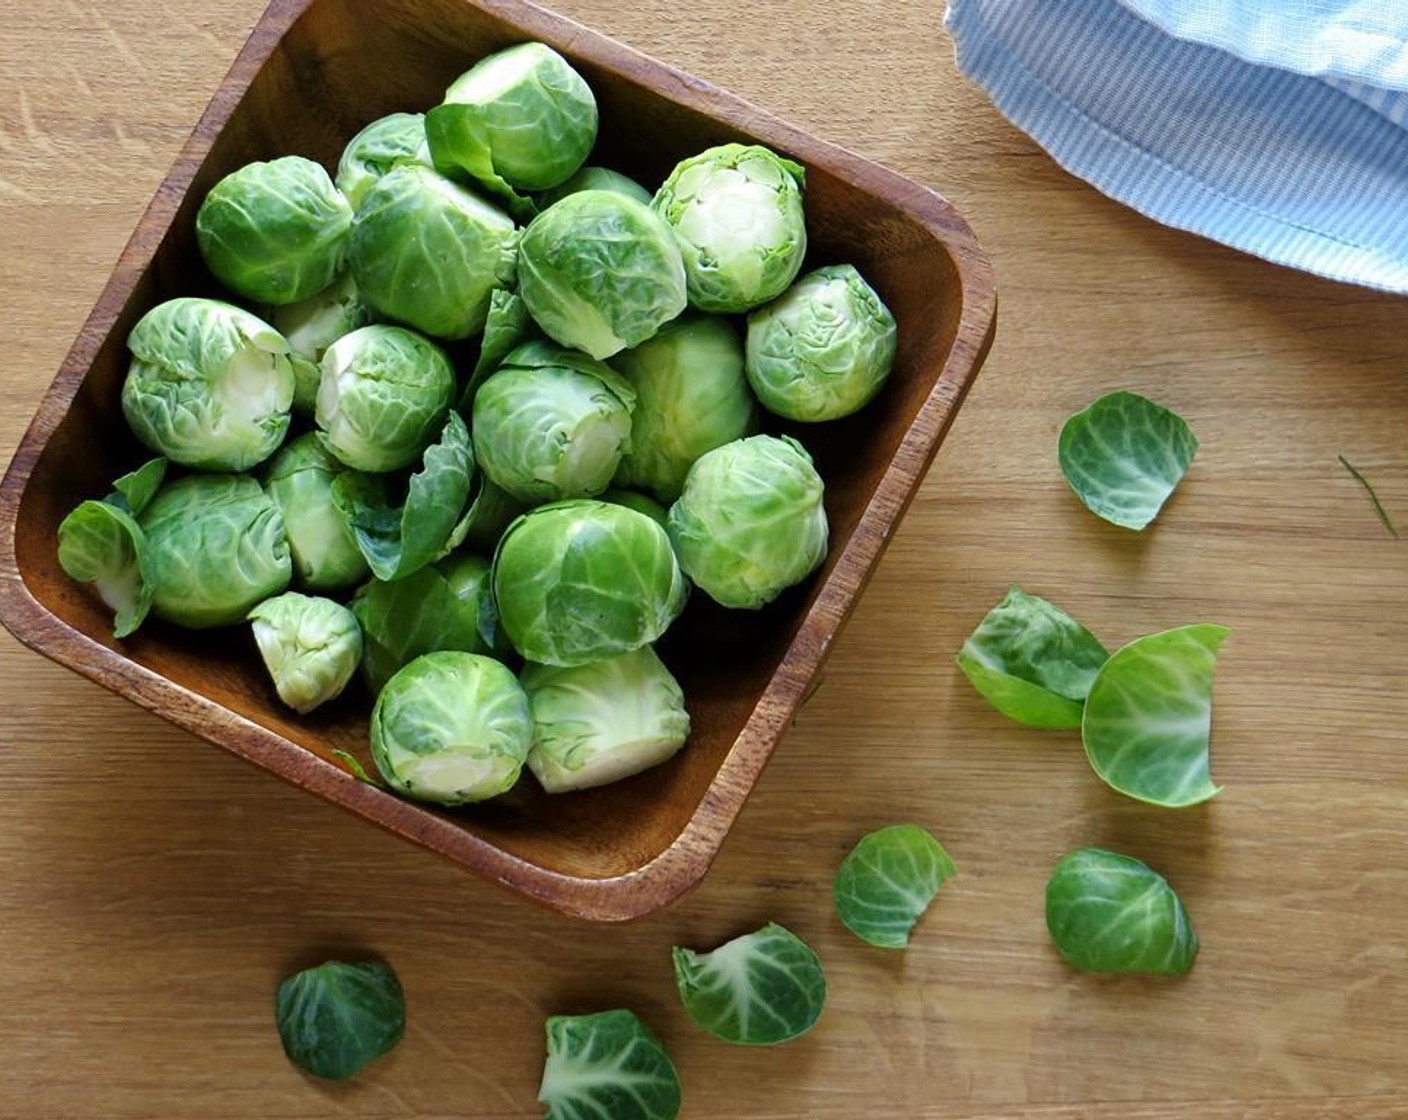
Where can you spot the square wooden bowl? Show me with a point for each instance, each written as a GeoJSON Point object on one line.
{"type": "Point", "coordinates": [312, 73]}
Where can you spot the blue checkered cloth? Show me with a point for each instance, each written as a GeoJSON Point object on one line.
{"type": "Point", "coordinates": [1279, 127]}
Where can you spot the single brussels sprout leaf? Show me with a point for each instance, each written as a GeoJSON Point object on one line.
{"type": "Point", "coordinates": [337, 1017]}
{"type": "Point", "coordinates": [641, 503]}
{"type": "Point", "coordinates": [353, 765]}
{"type": "Point", "coordinates": [451, 728]}
{"type": "Point", "coordinates": [888, 881]}
{"type": "Point", "coordinates": [760, 989]}
{"type": "Point", "coordinates": [1124, 455]}
{"type": "Point", "coordinates": [1149, 714]}
{"type": "Point", "coordinates": [397, 542]}
{"type": "Point", "coordinates": [100, 543]}
{"type": "Point", "coordinates": [383, 145]}
{"type": "Point", "coordinates": [736, 211]}
{"type": "Point", "coordinates": [1373, 496]}
{"type": "Point", "coordinates": [1111, 913]}
{"type": "Point", "coordinates": [507, 326]}
{"type": "Point", "coordinates": [607, 1065]}
{"type": "Point", "coordinates": [310, 326]}
{"type": "Point", "coordinates": [490, 514]}
{"type": "Point", "coordinates": [275, 232]}
{"type": "Point", "coordinates": [1033, 662]}
{"type": "Point", "coordinates": [134, 491]}
{"type": "Point", "coordinates": [596, 179]}
{"type": "Point", "coordinates": [311, 647]}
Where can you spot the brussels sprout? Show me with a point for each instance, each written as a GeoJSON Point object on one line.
{"type": "Point", "coordinates": [215, 547]}
{"type": "Point", "coordinates": [310, 326]}
{"type": "Point", "coordinates": [597, 723]}
{"type": "Point", "coordinates": [324, 550]}
{"type": "Point", "coordinates": [384, 394]}
{"type": "Point", "coordinates": [750, 522]}
{"type": "Point", "coordinates": [311, 647]}
{"type": "Point", "coordinates": [426, 252]}
{"type": "Point", "coordinates": [596, 179]}
{"type": "Point", "coordinates": [451, 727]}
{"type": "Point", "coordinates": [582, 580]}
{"type": "Point", "coordinates": [552, 424]}
{"type": "Point", "coordinates": [336, 1018]}
{"type": "Point", "coordinates": [384, 144]}
{"type": "Point", "coordinates": [693, 398]}
{"type": "Point", "coordinates": [275, 232]}
{"type": "Point", "coordinates": [439, 607]}
{"type": "Point", "coordinates": [888, 881]}
{"type": "Point", "coordinates": [823, 349]}
{"type": "Point", "coordinates": [608, 1065]}
{"type": "Point", "coordinates": [600, 272]}
{"type": "Point", "coordinates": [210, 385]}
{"type": "Point", "coordinates": [641, 503]}
{"type": "Point", "coordinates": [736, 211]}
{"type": "Point", "coordinates": [521, 117]}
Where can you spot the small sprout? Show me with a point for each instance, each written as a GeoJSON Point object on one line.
{"type": "Point", "coordinates": [1111, 913]}
{"type": "Point", "coordinates": [379, 148]}
{"type": "Point", "coordinates": [1124, 455]}
{"type": "Point", "coordinates": [760, 989]}
{"type": "Point", "coordinates": [596, 179]}
{"type": "Point", "coordinates": [1149, 715]}
{"type": "Point", "coordinates": [337, 1017]}
{"type": "Point", "coordinates": [311, 647]}
{"type": "Point", "coordinates": [312, 325]}
{"type": "Point", "coordinates": [1373, 497]}
{"type": "Point", "coordinates": [607, 1066]}
{"type": "Point", "coordinates": [888, 881]}
{"type": "Point", "coordinates": [275, 232]}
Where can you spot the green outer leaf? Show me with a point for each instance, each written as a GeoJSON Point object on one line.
{"type": "Point", "coordinates": [887, 882]}
{"type": "Point", "coordinates": [1111, 913]}
{"type": "Point", "coordinates": [1149, 714]}
{"type": "Point", "coordinates": [134, 491]}
{"type": "Point", "coordinates": [336, 1018]}
{"type": "Point", "coordinates": [760, 989]}
{"type": "Point", "coordinates": [1124, 455]}
{"type": "Point", "coordinates": [1019, 700]}
{"type": "Point", "coordinates": [353, 765]}
{"type": "Point", "coordinates": [102, 544]}
{"type": "Point", "coordinates": [508, 325]}
{"type": "Point", "coordinates": [607, 1065]}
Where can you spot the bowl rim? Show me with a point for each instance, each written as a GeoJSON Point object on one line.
{"type": "Point", "coordinates": [682, 864]}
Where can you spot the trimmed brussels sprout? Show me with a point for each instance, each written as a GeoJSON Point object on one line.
{"type": "Point", "coordinates": [888, 881]}
{"type": "Point", "coordinates": [452, 728]}
{"type": "Point", "coordinates": [596, 179]}
{"type": "Point", "coordinates": [600, 272]}
{"type": "Point", "coordinates": [336, 1018]}
{"type": "Point", "coordinates": [521, 117]}
{"type": "Point", "coordinates": [750, 522]}
{"type": "Point", "coordinates": [384, 144]}
{"type": "Point", "coordinates": [823, 349]}
{"type": "Point", "coordinates": [552, 424]}
{"type": "Point", "coordinates": [215, 547]}
{"type": "Point", "coordinates": [598, 723]}
{"type": "Point", "coordinates": [311, 647]}
{"type": "Point", "coordinates": [582, 580]}
{"type": "Point", "coordinates": [693, 398]}
{"type": "Point", "coordinates": [426, 252]}
{"type": "Point", "coordinates": [310, 326]}
{"type": "Point", "coordinates": [210, 385]}
{"type": "Point", "coordinates": [384, 394]}
{"type": "Point", "coordinates": [300, 481]}
{"type": "Point", "coordinates": [1111, 913]}
{"type": "Point", "coordinates": [275, 232]}
{"type": "Point", "coordinates": [641, 503]}
{"type": "Point", "coordinates": [736, 211]}
{"type": "Point", "coordinates": [608, 1065]}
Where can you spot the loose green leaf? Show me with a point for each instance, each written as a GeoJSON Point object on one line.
{"type": "Point", "coordinates": [336, 1018]}
{"type": "Point", "coordinates": [888, 881]}
{"type": "Point", "coordinates": [353, 765]}
{"type": "Point", "coordinates": [133, 492]}
{"type": "Point", "coordinates": [607, 1066]}
{"type": "Point", "coordinates": [1149, 714]}
{"type": "Point", "coordinates": [100, 543]}
{"type": "Point", "coordinates": [760, 989]}
{"type": "Point", "coordinates": [508, 325]}
{"type": "Point", "coordinates": [1111, 913]}
{"type": "Point", "coordinates": [1373, 497]}
{"type": "Point", "coordinates": [1032, 662]}
{"type": "Point", "coordinates": [1124, 455]}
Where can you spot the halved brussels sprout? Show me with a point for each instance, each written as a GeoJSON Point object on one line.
{"type": "Point", "coordinates": [737, 213]}
{"type": "Point", "coordinates": [452, 728]}
{"type": "Point", "coordinates": [596, 179]}
{"type": "Point", "coordinates": [598, 723]}
{"type": "Point", "coordinates": [210, 385]}
{"type": "Point", "coordinates": [693, 398]}
{"type": "Point", "coordinates": [215, 547]}
{"type": "Point", "coordinates": [384, 144]}
{"type": "Point", "coordinates": [384, 394]}
{"type": "Point", "coordinates": [750, 522]}
{"type": "Point", "coordinates": [311, 647]}
{"type": "Point", "coordinates": [822, 350]}
{"type": "Point", "coordinates": [275, 232]}
{"type": "Point", "coordinates": [310, 326]}
{"type": "Point", "coordinates": [582, 580]}
{"type": "Point", "coordinates": [600, 272]}
{"type": "Point", "coordinates": [300, 481]}
{"type": "Point", "coordinates": [426, 252]}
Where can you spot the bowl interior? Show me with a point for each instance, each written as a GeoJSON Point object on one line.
{"type": "Point", "coordinates": [343, 63]}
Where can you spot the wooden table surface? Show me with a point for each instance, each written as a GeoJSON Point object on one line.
{"type": "Point", "coordinates": [153, 890]}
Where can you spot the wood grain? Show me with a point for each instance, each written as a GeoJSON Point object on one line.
{"type": "Point", "coordinates": [152, 891]}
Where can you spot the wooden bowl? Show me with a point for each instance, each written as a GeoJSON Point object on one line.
{"type": "Point", "coordinates": [312, 73]}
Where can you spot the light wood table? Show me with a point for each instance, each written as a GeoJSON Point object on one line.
{"type": "Point", "coordinates": [153, 890]}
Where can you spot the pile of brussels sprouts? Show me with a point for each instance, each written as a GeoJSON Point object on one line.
{"type": "Point", "coordinates": [547, 504]}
